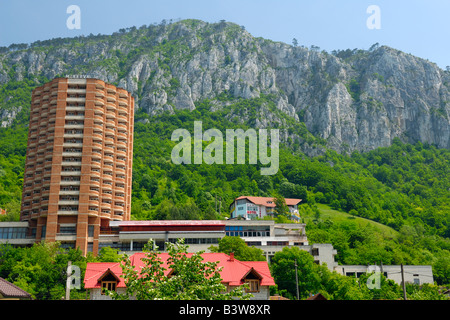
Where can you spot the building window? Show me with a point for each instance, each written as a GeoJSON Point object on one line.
{"type": "Point", "coordinates": [68, 245]}
{"type": "Point", "coordinates": [68, 230]}
{"type": "Point", "coordinates": [253, 285]}
{"type": "Point", "coordinates": [196, 240]}
{"type": "Point", "coordinates": [90, 231]}
{"type": "Point", "coordinates": [253, 243]}
{"type": "Point", "coordinates": [108, 285]}
{"type": "Point", "coordinates": [350, 274]}
{"type": "Point", "coordinates": [13, 233]}
{"type": "Point", "coordinates": [248, 231]}
{"type": "Point", "coordinates": [122, 246]}
{"type": "Point", "coordinates": [277, 243]}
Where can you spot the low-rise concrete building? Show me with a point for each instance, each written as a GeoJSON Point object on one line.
{"type": "Point", "coordinates": [416, 274]}
{"type": "Point", "coordinates": [131, 236]}
{"type": "Point", "coordinates": [16, 233]}
{"type": "Point", "coordinates": [272, 237]}
{"type": "Point", "coordinates": [267, 232]}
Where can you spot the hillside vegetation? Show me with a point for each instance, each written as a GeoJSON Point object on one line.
{"type": "Point", "coordinates": [222, 76]}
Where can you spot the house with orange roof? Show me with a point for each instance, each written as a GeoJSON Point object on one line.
{"type": "Point", "coordinates": [233, 272]}
{"type": "Point", "coordinates": [250, 208]}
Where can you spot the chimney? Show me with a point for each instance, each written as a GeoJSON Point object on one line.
{"type": "Point", "coordinates": [231, 256]}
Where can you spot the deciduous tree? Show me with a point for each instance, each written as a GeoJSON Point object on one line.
{"type": "Point", "coordinates": [190, 277]}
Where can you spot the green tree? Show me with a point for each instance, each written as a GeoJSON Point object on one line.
{"type": "Point", "coordinates": [441, 270]}
{"type": "Point", "coordinates": [388, 289]}
{"type": "Point", "coordinates": [281, 209]}
{"type": "Point", "coordinates": [108, 254]}
{"type": "Point", "coordinates": [190, 278]}
{"type": "Point", "coordinates": [292, 190]}
{"type": "Point", "coordinates": [283, 272]}
{"type": "Point", "coordinates": [338, 287]}
{"type": "Point", "coordinates": [424, 292]}
{"type": "Point", "coordinates": [240, 249]}
{"type": "Point", "coordinates": [40, 269]}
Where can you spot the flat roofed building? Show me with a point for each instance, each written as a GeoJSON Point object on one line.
{"type": "Point", "coordinates": [415, 274]}
{"type": "Point", "coordinates": [133, 235]}
{"type": "Point", "coordinates": [266, 232]}
{"type": "Point", "coordinates": [201, 234]}
{"type": "Point", "coordinates": [15, 233]}
{"type": "Point", "coordinates": [272, 237]}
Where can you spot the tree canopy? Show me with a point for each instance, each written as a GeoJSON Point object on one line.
{"type": "Point", "coordinates": [189, 278]}
{"type": "Point", "coordinates": [239, 248]}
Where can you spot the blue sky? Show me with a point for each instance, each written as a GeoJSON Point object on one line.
{"type": "Point", "coordinates": [418, 27]}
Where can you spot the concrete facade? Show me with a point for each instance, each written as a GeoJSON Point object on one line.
{"type": "Point", "coordinates": [96, 294]}
{"type": "Point", "coordinates": [131, 236]}
{"type": "Point", "coordinates": [416, 274]}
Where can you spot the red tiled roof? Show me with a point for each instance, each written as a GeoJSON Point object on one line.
{"type": "Point", "coordinates": [95, 270]}
{"type": "Point", "coordinates": [232, 273]}
{"type": "Point", "coordinates": [9, 290]}
{"type": "Point", "coordinates": [263, 201]}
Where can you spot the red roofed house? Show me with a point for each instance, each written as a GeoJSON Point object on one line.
{"type": "Point", "coordinates": [259, 207]}
{"type": "Point", "coordinates": [234, 273]}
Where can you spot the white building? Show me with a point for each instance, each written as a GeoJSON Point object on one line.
{"type": "Point", "coordinates": [416, 274]}
{"type": "Point", "coordinates": [259, 207]}
{"type": "Point", "coordinates": [272, 237]}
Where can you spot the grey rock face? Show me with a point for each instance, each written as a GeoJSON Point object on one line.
{"type": "Point", "coordinates": [357, 101]}
{"type": "Point", "coordinates": [8, 116]}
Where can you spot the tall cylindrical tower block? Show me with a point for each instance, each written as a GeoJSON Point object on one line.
{"type": "Point", "coordinates": [79, 161]}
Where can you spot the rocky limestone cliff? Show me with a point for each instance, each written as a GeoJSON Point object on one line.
{"type": "Point", "coordinates": [354, 99]}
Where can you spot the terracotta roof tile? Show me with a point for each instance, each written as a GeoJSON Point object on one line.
{"type": "Point", "coordinates": [232, 273]}
{"type": "Point", "coordinates": [265, 201]}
